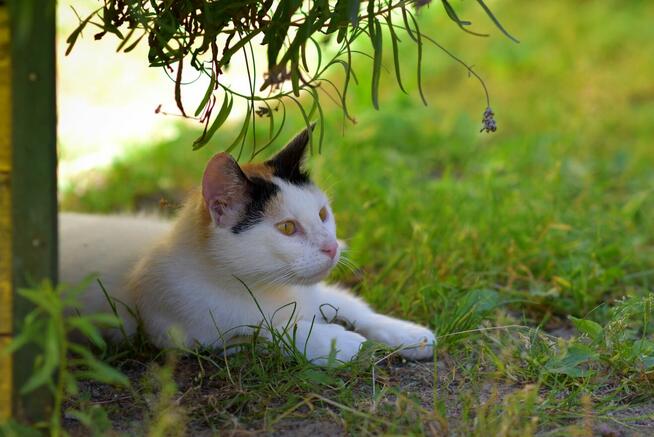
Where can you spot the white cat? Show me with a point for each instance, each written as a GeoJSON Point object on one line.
{"type": "Point", "coordinates": [264, 225]}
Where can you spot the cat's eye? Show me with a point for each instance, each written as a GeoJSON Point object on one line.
{"type": "Point", "coordinates": [287, 227]}
{"type": "Point", "coordinates": [323, 213]}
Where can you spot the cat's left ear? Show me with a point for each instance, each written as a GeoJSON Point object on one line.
{"type": "Point", "coordinates": [288, 164]}
{"type": "Point", "coordinates": [226, 190]}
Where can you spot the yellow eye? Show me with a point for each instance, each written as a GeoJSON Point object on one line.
{"type": "Point", "coordinates": [323, 213]}
{"type": "Point", "coordinates": [286, 228]}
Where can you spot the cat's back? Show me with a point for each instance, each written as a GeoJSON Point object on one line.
{"type": "Point", "coordinates": [106, 245]}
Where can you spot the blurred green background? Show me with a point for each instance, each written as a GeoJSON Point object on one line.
{"type": "Point", "coordinates": [554, 212]}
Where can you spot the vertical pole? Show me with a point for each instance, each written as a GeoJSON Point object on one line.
{"type": "Point", "coordinates": [33, 175]}
{"type": "Point", "coordinates": [6, 301]}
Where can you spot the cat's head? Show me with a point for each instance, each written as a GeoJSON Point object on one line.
{"type": "Point", "coordinates": [269, 223]}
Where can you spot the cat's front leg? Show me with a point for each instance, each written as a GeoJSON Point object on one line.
{"type": "Point", "coordinates": [317, 341]}
{"type": "Point", "coordinates": [415, 342]}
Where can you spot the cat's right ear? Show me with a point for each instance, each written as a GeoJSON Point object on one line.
{"type": "Point", "coordinates": [288, 163]}
{"type": "Point", "coordinates": [225, 189]}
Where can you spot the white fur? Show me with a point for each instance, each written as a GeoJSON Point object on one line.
{"type": "Point", "coordinates": [177, 284]}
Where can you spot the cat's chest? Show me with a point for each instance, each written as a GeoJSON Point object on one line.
{"type": "Point", "coordinates": [238, 306]}
{"type": "Point", "coordinates": [293, 302]}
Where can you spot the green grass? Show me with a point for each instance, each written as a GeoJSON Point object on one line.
{"type": "Point", "coordinates": [551, 217]}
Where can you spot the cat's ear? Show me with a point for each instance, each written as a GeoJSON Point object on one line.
{"type": "Point", "coordinates": [288, 164]}
{"type": "Point", "coordinates": [225, 189]}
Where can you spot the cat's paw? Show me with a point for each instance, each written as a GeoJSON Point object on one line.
{"type": "Point", "coordinates": [415, 342]}
{"type": "Point", "coordinates": [346, 345]}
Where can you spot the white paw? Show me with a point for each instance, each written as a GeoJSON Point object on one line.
{"type": "Point", "coordinates": [346, 345]}
{"type": "Point", "coordinates": [415, 342]}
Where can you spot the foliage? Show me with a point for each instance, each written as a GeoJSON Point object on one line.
{"type": "Point", "coordinates": [61, 362]}
{"type": "Point", "coordinates": [460, 317]}
{"type": "Point", "coordinates": [626, 340]}
{"type": "Point", "coordinates": [207, 35]}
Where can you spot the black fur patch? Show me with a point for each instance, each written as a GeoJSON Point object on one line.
{"type": "Point", "coordinates": [287, 164]}
{"type": "Point", "coordinates": [260, 193]}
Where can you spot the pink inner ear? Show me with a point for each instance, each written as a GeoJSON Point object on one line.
{"type": "Point", "coordinates": [224, 187]}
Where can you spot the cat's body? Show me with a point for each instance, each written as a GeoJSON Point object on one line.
{"type": "Point", "coordinates": [247, 251]}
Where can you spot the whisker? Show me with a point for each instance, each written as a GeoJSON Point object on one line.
{"type": "Point", "coordinates": [347, 261]}
{"type": "Point", "coordinates": [348, 266]}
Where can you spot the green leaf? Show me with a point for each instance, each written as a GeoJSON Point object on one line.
{"type": "Point", "coordinates": [643, 346]}
{"type": "Point", "coordinates": [227, 55]}
{"type": "Point", "coordinates": [453, 15]}
{"type": "Point", "coordinates": [592, 329]}
{"type": "Point", "coordinates": [243, 133]}
{"type": "Point", "coordinates": [164, 27]}
{"type": "Point", "coordinates": [11, 428]}
{"type": "Point", "coordinates": [353, 12]}
{"type": "Point", "coordinates": [277, 31]}
{"type": "Point", "coordinates": [70, 384]}
{"type": "Point", "coordinates": [321, 116]}
{"type": "Point", "coordinates": [376, 39]}
{"type": "Point", "coordinates": [318, 376]}
{"type": "Point", "coordinates": [87, 328]}
{"type": "Point", "coordinates": [295, 76]}
{"type": "Point", "coordinates": [418, 39]}
{"type": "Point", "coordinates": [133, 45]}
{"type": "Point", "coordinates": [104, 320]}
{"type": "Point", "coordinates": [101, 372]}
{"type": "Point", "coordinates": [72, 38]}
{"type": "Point", "coordinates": [574, 357]}
{"type": "Point", "coordinates": [407, 26]}
{"type": "Point", "coordinates": [126, 39]}
{"type": "Point", "coordinates": [279, 130]}
{"type": "Point", "coordinates": [225, 109]}
{"type": "Point", "coordinates": [396, 51]}
{"type": "Point", "coordinates": [349, 73]}
{"type": "Point", "coordinates": [495, 20]}
{"type": "Point", "coordinates": [207, 94]}
{"type": "Point", "coordinates": [93, 368]}
{"type": "Point", "coordinates": [307, 122]}
{"type": "Point", "coordinates": [94, 418]}
{"type": "Point", "coordinates": [341, 15]}
{"type": "Point", "coordinates": [43, 298]}
{"type": "Point", "coordinates": [461, 23]}
{"type": "Point", "coordinates": [44, 374]}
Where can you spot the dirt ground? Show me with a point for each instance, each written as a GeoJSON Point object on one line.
{"type": "Point", "coordinates": [414, 379]}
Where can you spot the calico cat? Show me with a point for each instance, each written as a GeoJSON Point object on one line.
{"type": "Point", "coordinates": [248, 250]}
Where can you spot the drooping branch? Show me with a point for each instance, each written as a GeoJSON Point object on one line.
{"type": "Point", "coordinates": [207, 35]}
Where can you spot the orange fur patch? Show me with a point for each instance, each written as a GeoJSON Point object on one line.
{"type": "Point", "coordinates": [258, 169]}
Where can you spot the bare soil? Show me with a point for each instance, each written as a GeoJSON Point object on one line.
{"type": "Point", "coordinates": [128, 411]}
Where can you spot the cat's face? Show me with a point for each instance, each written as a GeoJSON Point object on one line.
{"type": "Point", "coordinates": [269, 223]}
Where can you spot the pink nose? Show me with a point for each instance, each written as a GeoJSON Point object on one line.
{"type": "Point", "coordinates": [329, 249]}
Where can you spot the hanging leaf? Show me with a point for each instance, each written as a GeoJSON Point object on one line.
{"type": "Point", "coordinates": [207, 34]}
{"type": "Point", "coordinates": [495, 20]}
{"type": "Point", "coordinates": [396, 52]}
{"type": "Point", "coordinates": [461, 23]}
{"type": "Point", "coordinates": [224, 112]}
{"type": "Point", "coordinates": [376, 37]}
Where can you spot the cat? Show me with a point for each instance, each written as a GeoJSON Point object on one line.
{"type": "Point", "coordinates": [249, 249]}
